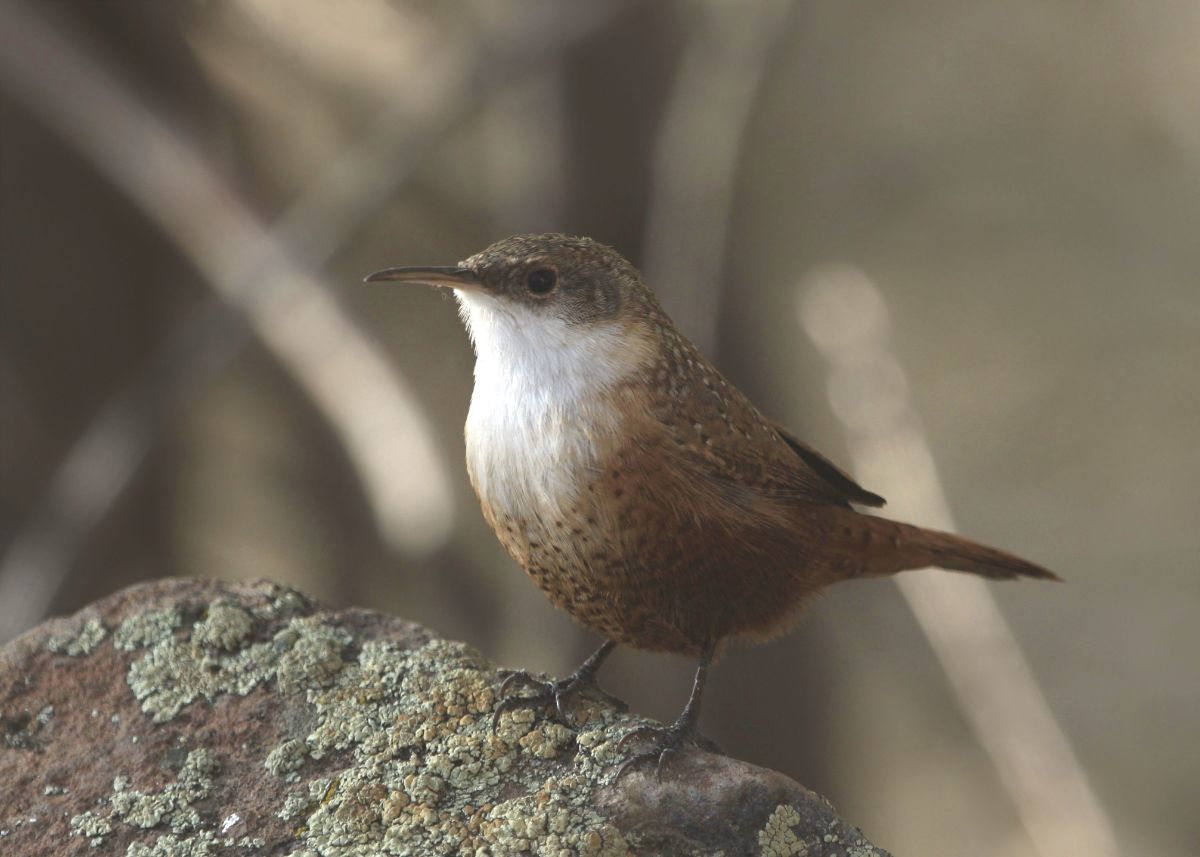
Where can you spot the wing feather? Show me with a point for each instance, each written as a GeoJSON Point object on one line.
{"type": "Point", "coordinates": [830, 472]}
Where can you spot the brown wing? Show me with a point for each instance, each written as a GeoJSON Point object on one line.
{"type": "Point", "coordinates": [746, 460]}
{"type": "Point", "coordinates": [716, 433]}
{"type": "Point", "coordinates": [830, 472]}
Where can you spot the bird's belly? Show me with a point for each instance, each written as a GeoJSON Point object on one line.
{"type": "Point", "coordinates": [585, 519]}
{"type": "Point", "coordinates": [537, 493]}
{"type": "Point", "coordinates": [521, 470]}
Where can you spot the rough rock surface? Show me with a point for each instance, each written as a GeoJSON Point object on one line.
{"type": "Point", "coordinates": [190, 717]}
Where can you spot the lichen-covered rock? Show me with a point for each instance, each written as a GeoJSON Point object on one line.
{"type": "Point", "coordinates": [189, 717]}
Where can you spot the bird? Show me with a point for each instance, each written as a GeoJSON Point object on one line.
{"type": "Point", "coordinates": [639, 489]}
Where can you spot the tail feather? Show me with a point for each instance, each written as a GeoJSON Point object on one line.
{"type": "Point", "coordinates": [904, 546]}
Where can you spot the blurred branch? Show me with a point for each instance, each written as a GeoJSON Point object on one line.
{"type": "Point", "coordinates": [697, 154]}
{"type": "Point", "coordinates": [256, 277]}
{"type": "Point", "coordinates": [261, 285]}
{"type": "Point", "coordinates": [845, 315]}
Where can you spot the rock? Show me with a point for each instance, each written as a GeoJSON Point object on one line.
{"type": "Point", "coordinates": [191, 717]}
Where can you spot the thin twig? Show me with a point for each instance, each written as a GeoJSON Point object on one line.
{"type": "Point", "coordinates": [383, 428]}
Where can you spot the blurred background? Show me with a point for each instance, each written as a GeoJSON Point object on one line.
{"type": "Point", "coordinates": [999, 204]}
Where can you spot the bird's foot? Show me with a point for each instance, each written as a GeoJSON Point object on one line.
{"type": "Point", "coordinates": [665, 742]}
{"type": "Point", "coordinates": [550, 694]}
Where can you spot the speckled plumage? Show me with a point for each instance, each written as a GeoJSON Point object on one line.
{"type": "Point", "coordinates": [642, 492]}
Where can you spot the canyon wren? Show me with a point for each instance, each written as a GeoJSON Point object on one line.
{"type": "Point", "coordinates": [641, 491]}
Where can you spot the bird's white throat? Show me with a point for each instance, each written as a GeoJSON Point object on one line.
{"type": "Point", "coordinates": [536, 411]}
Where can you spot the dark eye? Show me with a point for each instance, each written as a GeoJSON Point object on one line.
{"type": "Point", "coordinates": [542, 281]}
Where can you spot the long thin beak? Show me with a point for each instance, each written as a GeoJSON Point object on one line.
{"type": "Point", "coordinates": [449, 277]}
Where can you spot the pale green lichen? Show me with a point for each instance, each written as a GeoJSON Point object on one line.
{"type": "Point", "coordinates": [310, 654]}
{"type": "Point", "coordinates": [547, 741]}
{"type": "Point", "coordinates": [424, 771]}
{"type": "Point", "coordinates": [82, 642]}
{"type": "Point", "coordinates": [776, 839]}
{"type": "Point", "coordinates": [287, 758]}
{"type": "Point", "coordinates": [175, 673]}
{"type": "Point", "coordinates": [202, 845]}
{"type": "Point", "coordinates": [417, 767]}
{"type": "Point", "coordinates": [428, 773]}
{"type": "Point", "coordinates": [288, 602]}
{"type": "Point", "coordinates": [225, 627]}
{"type": "Point", "coordinates": [295, 805]}
{"type": "Point", "coordinates": [91, 826]}
{"type": "Point", "coordinates": [173, 804]}
{"type": "Point", "coordinates": [146, 628]}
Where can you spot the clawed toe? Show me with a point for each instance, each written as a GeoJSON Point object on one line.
{"type": "Point", "coordinates": [549, 693]}
{"type": "Point", "coordinates": [515, 677]}
{"type": "Point", "coordinates": [642, 732]}
{"type": "Point", "coordinates": [649, 756]}
{"type": "Point", "coordinates": [512, 703]}
{"type": "Point", "coordinates": [545, 693]}
{"type": "Point", "coordinates": [667, 741]}
{"type": "Point", "coordinates": [658, 755]}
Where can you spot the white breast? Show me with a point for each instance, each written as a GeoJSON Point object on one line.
{"type": "Point", "coordinates": [535, 417]}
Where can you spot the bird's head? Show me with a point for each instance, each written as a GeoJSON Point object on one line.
{"type": "Point", "coordinates": [548, 299]}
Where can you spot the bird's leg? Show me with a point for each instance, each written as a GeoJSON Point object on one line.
{"type": "Point", "coordinates": [668, 740]}
{"type": "Point", "coordinates": [556, 692]}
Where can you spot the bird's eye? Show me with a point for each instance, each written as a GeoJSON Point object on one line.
{"type": "Point", "coordinates": [542, 281]}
